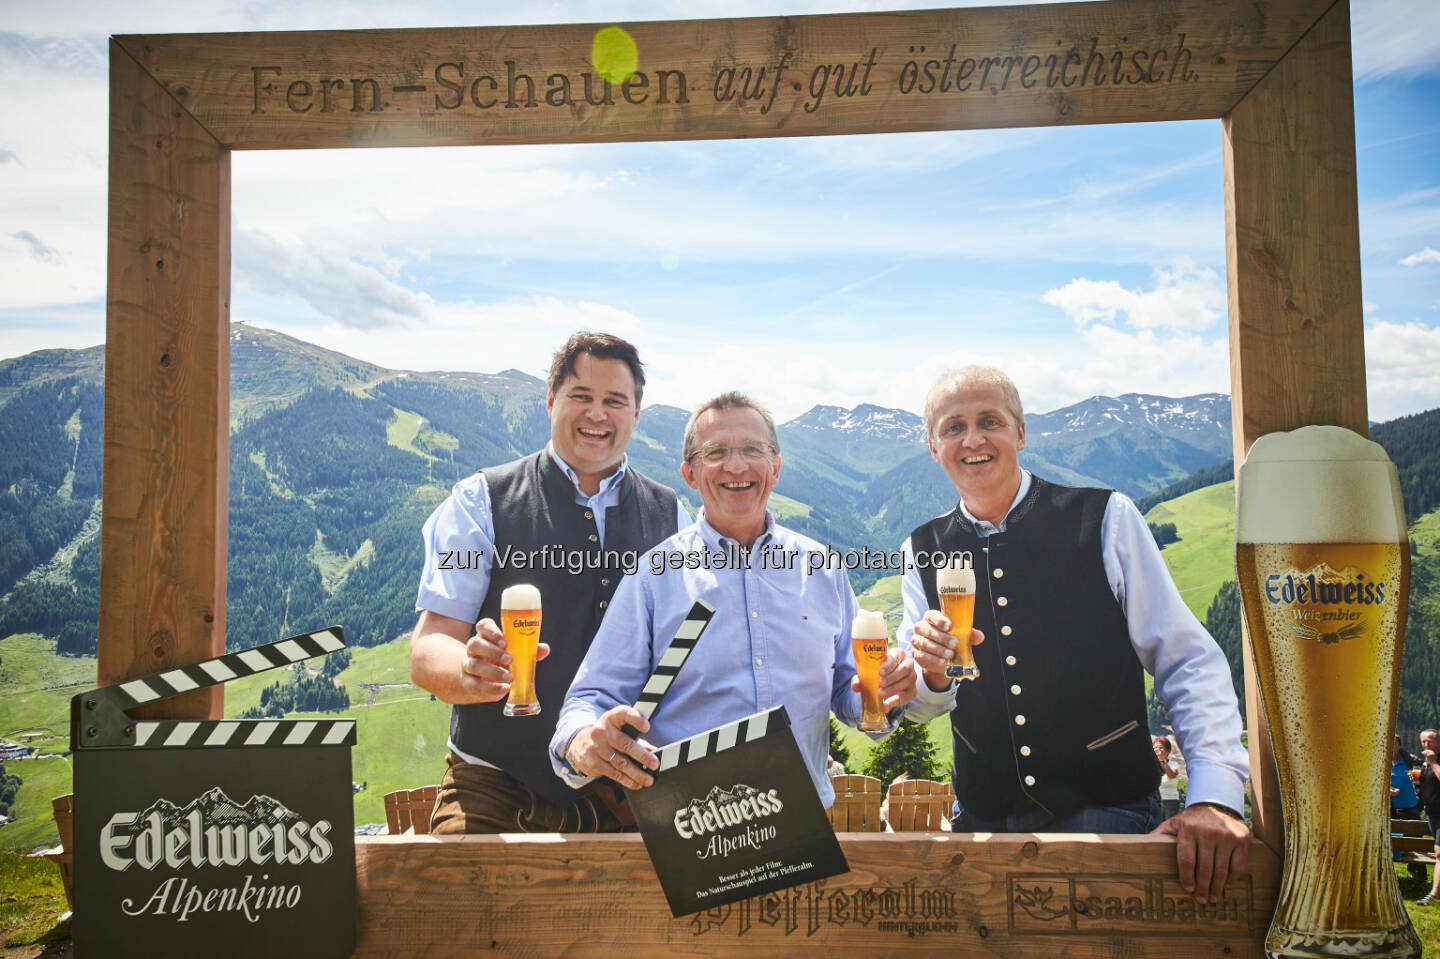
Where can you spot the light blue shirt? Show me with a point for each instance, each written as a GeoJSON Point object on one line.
{"type": "Point", "coordinates": [780, 636]}
{"type": "Point", "coordinates": [460, 540]}
{"type": "Point", "coordinates": [1191, 674]}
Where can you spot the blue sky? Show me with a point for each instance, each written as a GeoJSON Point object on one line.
{"type": "Point", "coordinates": [830, 270]}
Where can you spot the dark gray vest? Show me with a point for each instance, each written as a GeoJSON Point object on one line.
{"type": "Point", "coordinates": [536, 517]}
{"type": "Point", "coordinates": [1057, 718]}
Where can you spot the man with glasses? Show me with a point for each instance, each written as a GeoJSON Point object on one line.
{"type": "Point", "coordinates": [780, 633]}
{"type": "Point", "coordinates": [577, 496]}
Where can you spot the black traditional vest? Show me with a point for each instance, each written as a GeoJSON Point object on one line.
{"type": "Point", "coordinates": [544, 538]}
{"type": "Point", "coordinates": [1057, 717]}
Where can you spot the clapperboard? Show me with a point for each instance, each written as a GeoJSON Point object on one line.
{"type": "Point", "coordinates": [733, 812]}
{"type": "Point", "coordinates": [218, 838]}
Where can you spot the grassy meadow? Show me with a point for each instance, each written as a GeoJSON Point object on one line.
{"type": "Point", "coordinates": [401, 731]}
{"type": "Point", "coordinates": [1205, 556]}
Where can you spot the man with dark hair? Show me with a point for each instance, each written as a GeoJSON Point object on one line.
{"type": "Point", "coordinates": [576, 497]}
{"type": "Point", "coordinates": [1075, 605]}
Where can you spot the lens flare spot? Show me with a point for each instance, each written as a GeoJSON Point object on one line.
{"type": "Point", "coordinates": [670, 261]}
{"type": "Point", "coordinates": [614, 54]}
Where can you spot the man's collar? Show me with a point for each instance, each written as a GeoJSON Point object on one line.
{"type": "Point", "coordinates": [985, 526]}
{"type": "Point", "coordinates": [714, 539]}
{"type": "Point", "coordinates": [614, 479]}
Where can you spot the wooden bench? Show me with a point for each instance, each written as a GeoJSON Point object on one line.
{"type": "Point", "coordinates": [857, 804]}
{"type": "Point", "coordinates": [920, 805]}
{"type": "Point", "coordinates": [63, 856]}
{"type": "Point", "coordinates": [408, 810]}
{"type": "Point", "coordinates": [1412, 841]}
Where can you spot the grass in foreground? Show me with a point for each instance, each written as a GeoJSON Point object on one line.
{"type": "Point", "coordinates": [1425, 919]}
{"type": "Point", "coordinates": [32, 901]}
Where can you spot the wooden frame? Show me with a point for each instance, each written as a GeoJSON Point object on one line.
{"type": "Point", "coordinates": [1277, 72]}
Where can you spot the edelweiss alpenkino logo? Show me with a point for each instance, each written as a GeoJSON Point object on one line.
{"type": "Point", "coordinates": [727, 809]}
{"type": "Point", "coordinates": [214, 831]}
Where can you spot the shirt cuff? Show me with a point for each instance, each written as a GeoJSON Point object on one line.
{"type": "Point", "coordinates": [559, 747]}
{"type": "Point", "coordinates": [445, 606]}
{"type": "Point", "coordinates": [1214, 783]}
{"type": "Point", "coordinates": [929, 703]}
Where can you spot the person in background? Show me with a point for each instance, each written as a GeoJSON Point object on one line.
{"type": "Point", "coordinates": [1404, 801]}
{"type": "Point", "coordinates": [1430, 800]}
{"type": "Point", "coordinates": [1169, 778]}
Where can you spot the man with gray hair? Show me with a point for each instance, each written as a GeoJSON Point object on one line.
{"type": "Point", "coordinates": [780, 634]}
{"type": "Point", "coordinates": [1073, 604]}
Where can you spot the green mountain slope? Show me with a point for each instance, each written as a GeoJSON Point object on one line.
{"type": "Point", "coordinates": [1204, 558]}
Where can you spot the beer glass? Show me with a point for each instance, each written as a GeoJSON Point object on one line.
{"type": "Point", "coordinates": [870, 640]}
{"type": "Point", "coordinates": [956, 585]}
{"type": "Point", "coordinates": [1324, 562]}
{"type": "Point", "coordinates": [520, 622]}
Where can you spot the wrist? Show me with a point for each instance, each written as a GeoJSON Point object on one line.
{"type": "Point", "coordinates": [1222, 808]}
{"type": "Point", "coordinates": [936, 682]}
{"type": "Point", "coordinates": [567, 755]}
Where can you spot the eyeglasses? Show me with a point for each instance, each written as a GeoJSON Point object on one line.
{"type": "Point", "coordinates": [716, 454]}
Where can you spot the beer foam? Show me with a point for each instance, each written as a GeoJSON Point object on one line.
{"type": "Point", "coordinates": [869, 625]}
{"type": "Point", "coordinates": [520, 596]}
{"type": "Point", "coordinates": [1318, 484]}
{"type": "Point", "coordinates": [955, 578]}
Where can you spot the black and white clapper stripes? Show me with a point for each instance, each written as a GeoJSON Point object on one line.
{"type": "Point", "coordinates": [715, 740]}
{"type": "Point", "coordinates": [99, 718]}
{"type": "Point", "coordinates": [675, 655]}
{"type": "Point", "coordinates": [227, 838]}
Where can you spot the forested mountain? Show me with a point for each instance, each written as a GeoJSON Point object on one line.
{"type": "Point", "coordinates": [1413, 442]}
{"type": "Point", "coordinates": [335, 464]}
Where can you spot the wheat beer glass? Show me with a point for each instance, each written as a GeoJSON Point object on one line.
{"type": "Point", "coordinates": [870, 640]}
{"type": "Point", "coordinates": [956, 585]}
{"type": "Point", "coordinates": [1324, 563]}
{"type": "Point", "coordinates": [520, 622]}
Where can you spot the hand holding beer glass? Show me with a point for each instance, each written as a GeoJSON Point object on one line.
{"type": "Point", "coordinates": [520, 623]}
{"type": "Point", "coordinates": [1324, 561]}
{"type": "Point", "coordinates": [870, 640]}
{"type": "Point", "coordinates": [956, 585]}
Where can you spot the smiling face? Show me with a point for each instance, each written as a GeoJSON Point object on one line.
{"type": "Point", "coordinates": [592, 415]}
{"type": "Point", "coordinates": [976, 439]}
{"type": "Point", "coordinates": [736, 490]}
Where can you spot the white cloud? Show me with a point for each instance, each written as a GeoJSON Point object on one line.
{"type": "Point", "coordinates": [1402, 368]}
{"type": "Point", "coordinates": [352, 294]}
{"type": "Point", "coordinates": [1395, 38]}
{"type": "Point", "coordinates": [1185, 297]}
{"type": "Point", "coordinates": [1371, 307]}
{"type": "Point", "coordinates": [518, 334]}
{"type": "Point", "coordinates": [1427, 255]}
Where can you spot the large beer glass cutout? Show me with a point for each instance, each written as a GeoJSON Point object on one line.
{"type": "Point", "coordinates": [1324, 565]}
{"type": "Point", "coordinates": [520, 622]}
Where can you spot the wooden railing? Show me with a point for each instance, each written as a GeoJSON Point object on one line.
{"type": "Point", "coordinates": [907, 894]}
